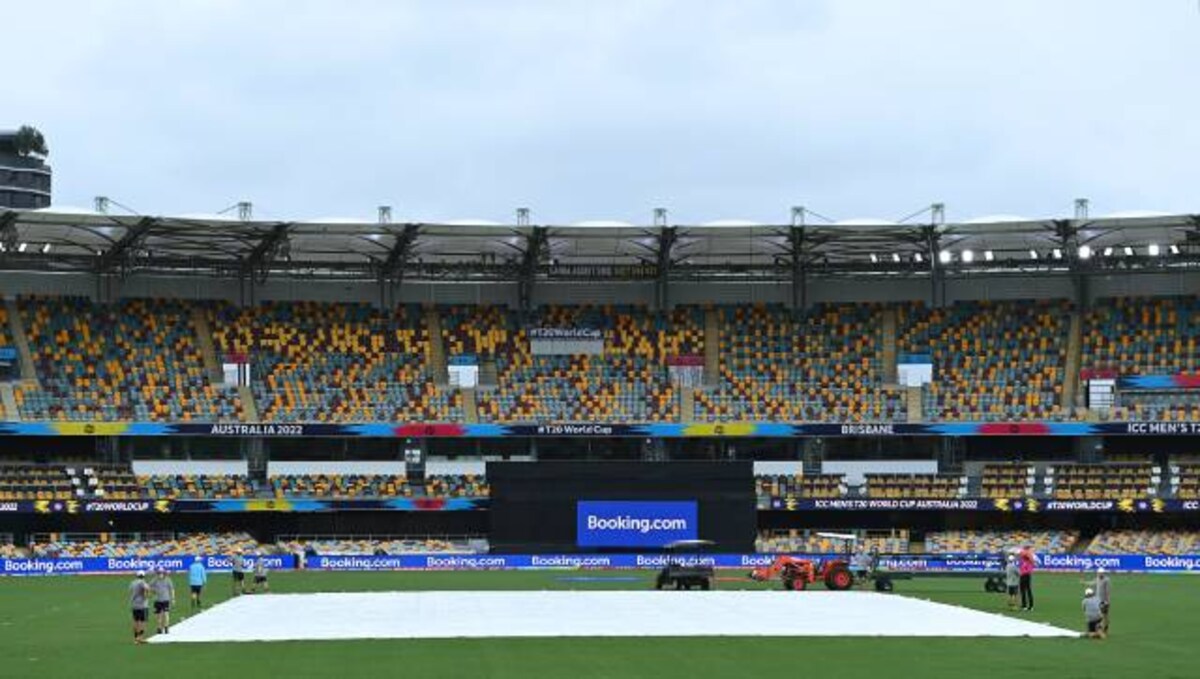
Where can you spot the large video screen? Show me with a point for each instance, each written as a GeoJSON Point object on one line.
{"type": "Point", "coordinates": [620, 506]}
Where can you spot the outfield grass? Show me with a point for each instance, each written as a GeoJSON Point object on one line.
{"type": "Point", "coordinates": [68, 626]}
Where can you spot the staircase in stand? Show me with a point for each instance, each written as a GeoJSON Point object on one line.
{"type": "Point", "coordinates": [712, 347]}
{"type": "Point", "coordinates": [888, 353]}
{"type": "Point", "coordinates": [435, 354]}
{"type": "Point", "coordinates": [16, 328]}
{"type": "Point", "coordinates": [488, 375]}
{"type": "Point", "coordinates": [8, 403]}
{"type": "Point", "coordinates": [1074, 358]}
{"type": "Point", "coordinates": [687, 404]}
{"type": "Point", "coordinates": [208, 350]}
{"type": "Point", "coordinates": [470, 407]}
{"type": "Point", "coordinates": [914, 400]}
{"type": "Point", "coordinates": [249, 407]}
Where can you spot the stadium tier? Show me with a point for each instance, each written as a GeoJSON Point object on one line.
{"type": "Point", "coordinates": [992, 360]}
{"type": "Point", "coordinates": [798, 541]}
{"type": "Point", "coordinates": [339, 486]}
{"type": "Point", "coordinates": [335, 362]}
{"type": "Point", "coordinates": [1146, 542]}
{"type": "Point", "coordinates": [816, 486]}
{"type": "Point", "coordinates": [1185, 481]}
{"type": "Point", "coordinates": [626, 382]}
{"type": "Point", "coordinates": [136, 360]}
{"type": "Point", "coordinates": [1013, 479]}
{"type": "Point", "coordinates": [779, 366]}
{"type": "Point", "coordinates": [997, 541]}
{"type": "Point", "coordinates": [197, 486]}
{"type": "Point", "coordinates": [456, 485]}
{"type": "Point", "coordinates": [56, 482]}
{"type": "Point", "coordinates": [53, 482]}
{"type": "Point", "coordinates": [1102, 482]}
{"type": "Point", "coordinates": [123, 546]}
{"type": "Point", "coordinates": [161, 361]}
{"type": "Point", "coordinates": [332, 546]}
{"type": "Point", "coordinates": [919, 486]}
{"type": "Point", "coordinates": [1143, 335]}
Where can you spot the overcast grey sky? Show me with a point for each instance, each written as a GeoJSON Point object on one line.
{"type": "Point", "coordinates": [606, 109]}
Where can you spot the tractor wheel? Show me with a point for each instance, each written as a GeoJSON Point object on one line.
{"type": "Point", "coordinates": [839, 578]}
{"type": "Point", "coordinates": [661, 581]}
{"type": "Point", "coordinates": [884, 585]}
{"type": "Point", "coordinates": [706, 584]}
{"type": "Point", "coordinates": [799, 584]}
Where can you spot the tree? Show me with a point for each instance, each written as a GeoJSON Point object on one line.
{"type": "Point", "coordinates": [29, 141]}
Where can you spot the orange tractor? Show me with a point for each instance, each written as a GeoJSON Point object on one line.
{"type": "Point", "coordinates": [797, 574]}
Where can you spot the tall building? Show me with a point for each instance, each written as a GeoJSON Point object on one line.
{"type": "Point", "coordinates": [24, 179]}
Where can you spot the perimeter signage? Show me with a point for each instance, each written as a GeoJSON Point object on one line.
{"type": "Point", "coordinates": [907, 563]}
{"type": "Point", "coordinates": [601, 429]}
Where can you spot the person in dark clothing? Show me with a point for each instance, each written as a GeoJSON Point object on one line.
{"type": "Point", "coordinates": [1028, 562]}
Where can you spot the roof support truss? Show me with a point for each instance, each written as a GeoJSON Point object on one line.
{"type": "Point", "coordinates": [393, 267]}
{"type": "Point", "coordinates": [273, 245]}
{"type": "Point", "coordinates": [537, 248]}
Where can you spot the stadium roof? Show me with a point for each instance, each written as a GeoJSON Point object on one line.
{"type": "Point", "coordinates": [74, 240]}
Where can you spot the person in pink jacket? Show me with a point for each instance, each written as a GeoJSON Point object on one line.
{"type": "Point", "coordinates": [1026, 563]}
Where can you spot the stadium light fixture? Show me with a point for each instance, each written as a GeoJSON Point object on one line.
{"type": "Point", "coordinates": [22, 246]}
{"type": "Point", "coordinates": [1057, 253]}
{"type": "Point", "coordinates": [1085, 252]}
{"type": "Point", "coordinates": [1108, 251]}
{"type": "Point", "coordinates": [1174, 249]}
{"type": "Point", "coordinates": [918, 258]}
{"type": "Point", "coordinates": [896, 257]}
{"type": "Point", "coordinates": [1128, 251]}
{"type": "Point", "coordinates": [874, 259]}
{"type": "Point", "coordinates": [46, 249]}
{"type": "Point", "coordinates": [989, 255]}
{"type": "Point", "coordinates": [1153, 249]}
{"type": "Point", "coordinates": [968, 256]}
{"type": "Point", "coordinates": [945, 256]}
{"type": "Point", "coordinates": [1033, 253]}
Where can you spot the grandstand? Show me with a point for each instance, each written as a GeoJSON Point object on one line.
{"type": "Point", "coordinates": [822, 366]}
{"type": "Point", "coordinates": [382, 545]}
{"type": "Point", "coordinates": [59, 482]}
{"type": "Point", "coordinates": [117, 545]}
{"type": "Point", "coordinates": [810, 542]}
{"type": "Point", "coordinates": [1096, 482]}
{"type": "Point", "coordinates": [1166, 542]}
{"type": "Point", "coordinates": [994, 361]}
{"type": "Point", "coordinates": [137, 360]}
{"type": "Point", "coordinates": [340, 389]}
{"type": "Point", "coordinates": [999, 541]}
{"type": "Point", "coordinates": [157, 360]}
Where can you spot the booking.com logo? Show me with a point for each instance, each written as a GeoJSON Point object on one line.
{"type": "Point", "coordinates": [633, 523]}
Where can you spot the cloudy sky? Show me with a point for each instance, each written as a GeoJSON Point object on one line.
{"type": "Point", "coordinates": [605, 110]}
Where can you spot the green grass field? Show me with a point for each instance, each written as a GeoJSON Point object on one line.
{"type": "Point", "coordinates": [78, 626]}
